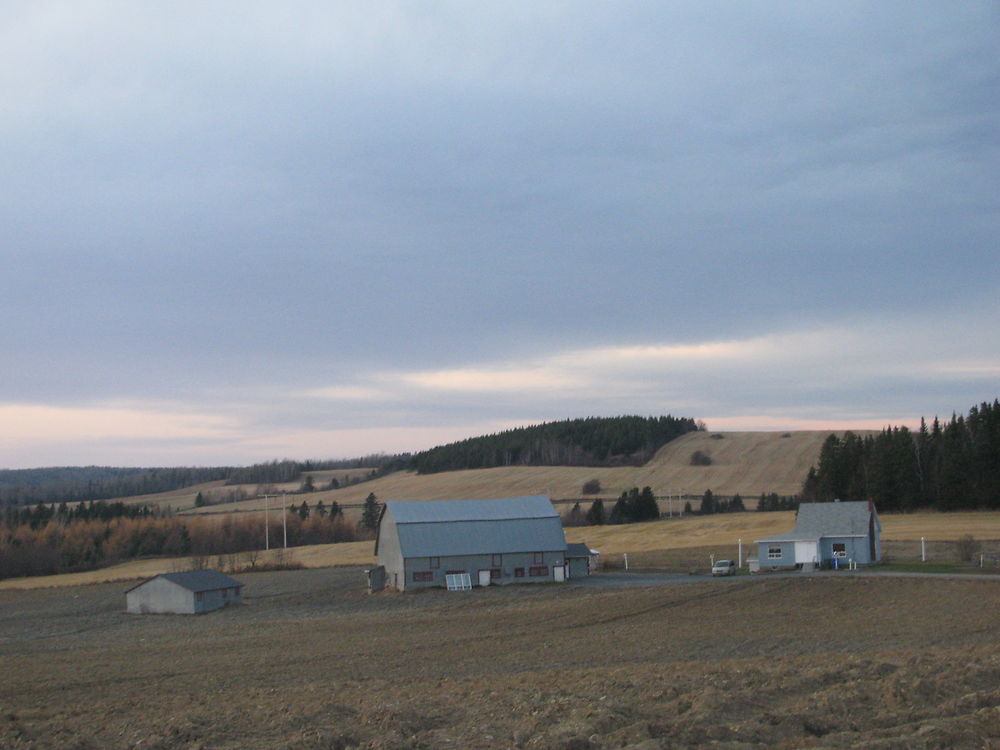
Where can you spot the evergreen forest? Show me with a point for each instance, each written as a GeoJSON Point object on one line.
{"type": "Point", "coordinates": [947, 467]}
{"type": "Point", "coordinates": [594, 441]}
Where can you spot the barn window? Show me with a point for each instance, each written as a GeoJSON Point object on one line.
{"type": "Point", "coordinates": [539, 558]}
{"type": "Point", "coordinates": [538, 570]}
{"type": "Point", "coordinates": [423, 576]}
{"type": "Point", "coordinates": [454, 572]}
{"type": "Point", "coordinates": [518, 572]}
{"type": "Point", "coordinates": [435, 563]}
{"type": "Point", "coordinates": [497, 561]}
{"type": "Point", "coordinates": [839, 549]}
{"type": "Point", "coordinates": [200, 596]}
{"type": "Point", "coordinates": [774, 553]}
{"type": "Point", "coordinates": [495, 574]}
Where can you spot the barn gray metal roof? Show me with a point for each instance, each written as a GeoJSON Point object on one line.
{"type": "Point", "coordinates": [815, 520]}
{"type": "Point", "coordinates": [577, 549]}
{"type": "Point", "coordinates": [197, 580]}
{"type": "Point", "coordinates": [445, 528]}
{"type": "Point", "coordinates": [502, 509]}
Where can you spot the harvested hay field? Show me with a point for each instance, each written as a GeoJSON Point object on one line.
{"type": "Point", "coordinates": [311, 661]}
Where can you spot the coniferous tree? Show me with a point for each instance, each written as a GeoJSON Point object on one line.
{"type": "Point", "coordinates": [595, 516]}
{"type": "Point", "coordinates": [369, 515]}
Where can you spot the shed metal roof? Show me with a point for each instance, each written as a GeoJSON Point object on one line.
{"type": "Point", "coordinates": [445, 528]}
{"type": "Point", "coordinates": [197, 580]}
{"type": "Point", "coordinates": [578, 549]}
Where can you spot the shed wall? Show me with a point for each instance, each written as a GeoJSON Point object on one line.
{"type": "Point", "coordinates": [160, 596]}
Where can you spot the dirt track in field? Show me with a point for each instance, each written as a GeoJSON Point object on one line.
{"type": "Point", "coordinates": [311, 661]}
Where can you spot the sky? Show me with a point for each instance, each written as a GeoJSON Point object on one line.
{"type": "Point", "coordinates": [233, 232]}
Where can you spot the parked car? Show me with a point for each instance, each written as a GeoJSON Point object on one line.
{"type": "Point", "coordinates": [724, 568]}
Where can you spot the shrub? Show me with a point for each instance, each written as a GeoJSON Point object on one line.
{"type": "Point", "coordinates": [591, 487]}
{"type": "Point", "coordinates": [967, 548]}
{"type": "Point", "coordinates": [700, 458]}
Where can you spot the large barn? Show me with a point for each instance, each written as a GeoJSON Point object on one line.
{"type": "Point", "coordinates": [188, 593]}
{"type": "Point", "coordinates": [834, 533]}
{"type": "Point", "coordinates": [509, 540]}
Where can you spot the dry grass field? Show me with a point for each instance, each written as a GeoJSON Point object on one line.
{"type": "Point", "coordinates": [742, 462]}
{"type": "Point", "coordinates": [310, 661]}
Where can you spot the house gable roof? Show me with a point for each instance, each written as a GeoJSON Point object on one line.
{"type": "Point", "coordinates": [816, 520]}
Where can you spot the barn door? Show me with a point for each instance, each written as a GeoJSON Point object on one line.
{"type": "Point", "coordinates": [559, 572]}
{"type": "Point", "coordinates": [484, 577]}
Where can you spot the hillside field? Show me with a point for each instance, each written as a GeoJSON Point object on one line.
{"type": "Point", "coordinates": [747, 463]}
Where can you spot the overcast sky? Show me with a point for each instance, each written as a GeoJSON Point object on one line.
{"type": "Point", "coordinates": [240, 231]}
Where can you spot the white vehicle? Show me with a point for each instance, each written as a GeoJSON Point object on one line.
{"type": "Point", "coordinates": [724, 568]}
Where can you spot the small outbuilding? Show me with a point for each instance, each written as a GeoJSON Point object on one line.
{"type": "Point", "coordinates": [826, 534]}
{"type": "Point", "coordinates": [508, 540]}
{"type": "Point", "coordinates": [581, 560]}
{"type": "Point", "coordinates": [191, 592]}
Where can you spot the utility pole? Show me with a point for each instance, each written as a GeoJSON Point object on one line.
{"type": "Point", "coordinates": [284, 521]}
{"type": "Point", "coordinates": [267, 524]}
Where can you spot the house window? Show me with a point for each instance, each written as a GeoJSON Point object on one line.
{"type": "Point", "coordinates": [435, 563]}
{"type": "Point", "coordinates": [497, 561]}
{"type": "Point", "coordinates": [200, 596]}
{"type": "Point", "coordinates": [774, 553]}
{"type": "Point", "coordinates": [454, 572]}
{"type": "Point", "coordinates": [539, 558]}
{"type": "Point", "coordinates": [839, 549]}
{"type": "Point", "coordinates": [423, 576]}
{"type": "Point", "coordinates": [538, 571]}
{"type": "Point", "coordinates": [518, 572]}
{"type": "Point", "coordinates": [495, 574]}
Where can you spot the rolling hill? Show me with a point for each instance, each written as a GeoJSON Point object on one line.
{"type": "Point", "coordinates": [748, 463]}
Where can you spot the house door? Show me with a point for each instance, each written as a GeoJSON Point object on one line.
{"type": "Point", "coordinates": [484, 577]}
{"type": "Point", "coordinates": [559, 572]}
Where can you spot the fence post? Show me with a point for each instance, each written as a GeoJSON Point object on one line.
{"type": "Point", "coordinates": [626, 560]}
{"type": "Point", "coordinates": [923, 550]}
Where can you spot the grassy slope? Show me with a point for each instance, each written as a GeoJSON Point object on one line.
{"type": "Point", "coordinates": [687, 533]}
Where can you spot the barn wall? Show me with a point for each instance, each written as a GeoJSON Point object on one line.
{"type": "Point", "coordinates": [389, 554]}
{"type": "Point", "coordinates": [472, 564]}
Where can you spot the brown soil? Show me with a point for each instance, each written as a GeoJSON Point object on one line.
{"type": "Point", "coordinates": [311, 661]}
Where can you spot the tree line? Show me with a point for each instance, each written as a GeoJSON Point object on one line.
{"type": "Point", "coordinates": [947, 467]}
{"type": "Point", "coordinates": [75, 484]}
{"type": "Point", "coordinates": [60, 546]}
{"type": "Point", "coordinates": [593, 441]}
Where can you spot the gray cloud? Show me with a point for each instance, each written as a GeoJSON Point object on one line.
{"type": "Point", "coordinates": [246, 198]}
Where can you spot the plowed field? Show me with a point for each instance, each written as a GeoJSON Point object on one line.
{"type": "Point", "coordinates": [312, 661]}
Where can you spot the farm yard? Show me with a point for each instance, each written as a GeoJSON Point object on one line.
{"type": "Point", "coordinates": [311, 661]}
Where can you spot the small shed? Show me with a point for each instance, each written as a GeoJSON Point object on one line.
{"type": "Point", "coordinates": [506, 540]}
{"type": "Point", "coordinates": [581, 560]}
{"type": "Point", "coordinates": [191, 592]}
{"type": "Point", "coordinates": [826, 534]}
